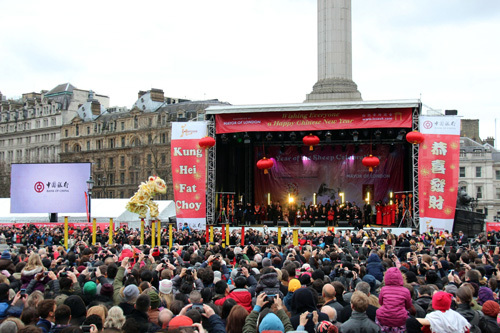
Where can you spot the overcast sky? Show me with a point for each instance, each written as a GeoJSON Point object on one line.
{"type": "Point", "coordinates": [254, 51]}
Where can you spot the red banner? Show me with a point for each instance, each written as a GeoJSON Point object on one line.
{"type": "Point", "coordinates": [313, 121]}
{"type": "Point", "coordinates": [438, 166]}
{"type": "Point", "coordinates": [189, 173]}
{"type": "Point", "coordinates": [492, 226]}
{"type": "Point", "coordinates": [326, 172]}
{"type": "Point", "coordinates": [100, 225]}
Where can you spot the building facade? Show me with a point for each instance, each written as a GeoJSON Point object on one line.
{"type": "Point", "coordinates": [126, 147]}
{"type": "Point", "coordinates": [479, 175]}
{"type": "Point", "coordinates": [30, 127]}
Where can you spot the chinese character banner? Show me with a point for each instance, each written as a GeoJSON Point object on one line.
{"type": "Point", "coordinates": [189, 173]}
{"type": "Point", "coordinates": [438, 166]}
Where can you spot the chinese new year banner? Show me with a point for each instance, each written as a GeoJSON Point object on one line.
{"type": "Point", "coordinates": [313, 121]}
{"type": "Point", "coordinates": [189, 173]}
{"type": "Point", "coordinates": [438, 159]}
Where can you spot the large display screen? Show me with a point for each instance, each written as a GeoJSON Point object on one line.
{"type": "Point", "coordinates": [49, 188]}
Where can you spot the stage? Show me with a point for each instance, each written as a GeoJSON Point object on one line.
{"type": "Point", "coordinates": [327, 172]}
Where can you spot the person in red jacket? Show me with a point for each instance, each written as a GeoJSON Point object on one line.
{"type": "Point", "coordinates": [240, 294]}
{"type": "Point", "coordinates": [395, 300]}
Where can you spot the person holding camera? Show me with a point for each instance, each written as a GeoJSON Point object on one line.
{"type": "Point", "coordinates": [271, 321]}
{"type": "Point", "coordinates": [240, 294]}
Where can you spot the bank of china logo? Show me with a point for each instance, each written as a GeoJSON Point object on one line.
{"type": "Point", "coordinates": [39, 187]}
{"type": "Point", "coordinates": [427, 124]}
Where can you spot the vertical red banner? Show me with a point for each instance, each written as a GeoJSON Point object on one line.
{"type": "Point", "coordinates": [189, 173]}
{"type": "Point", "coordinates": [438, 167]}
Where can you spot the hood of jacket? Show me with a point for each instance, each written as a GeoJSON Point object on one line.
{"type": "Point", "coordinates": [34, 271]}
{"type": "Point", "coordinates": [269, 280]}
{"type": "Point", "coordinates": [303, 300]}
{"type": "Point", "coordinates": [373, 258]}
{"type": "Point", "coordinates": [393, 277]}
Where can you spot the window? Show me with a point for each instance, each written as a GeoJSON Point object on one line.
{"type": "Point", "coordinates": [479, 192]}
{"type": "Point", "coordinates": [136, 122]}
{"type": "Point", "coordinates": [462, 172]}
{"type": "Point", "coordinates": [88, 130]}
{"type": "Point", "coordinates": [77, 129]}
{"type": "Point", "coordinates": [498, 193]}
{"type": "Point", "coordinates": [111, 143]}
{"type": "Point", "coordinates": [149, 159]}
{"type": "Point", "coordinates": [99, 144]}
{"type": "Point", "coordinates": [123, 125]}
{"type": "Point", "coordinates": [150, 139]}
{"type": "Point", "coordinates": [88, 145]}
{"type": "Point", "coordinates": [66, 147]}
{"type": "Point", "coordinates": [111, 178]}
{"type": "Point", "coordinates": [122, 161]}
{"type": "Point", "coordinates": [111, 162]}
{"type": "Point", "coordinates": [478, 172]}
{"type": "Point", "coordinates": [123, 141]}
{"type": "Point", "coordinates": [122, 178]}
{"type": "Point", "coordinates": [122, 194]}
{"type": "Point", "coordinates": [497, 174]}
{"type": "Point", "coordinates": [163, 158]}
{"type": "Point", "coordinates": [66, 133]}
{"type": "Point", "coordinates": [98, 163]}
{"type": "Point", "coordinates": [150, 122]}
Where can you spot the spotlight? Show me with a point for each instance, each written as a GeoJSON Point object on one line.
{"type": "Point", "coordinates": [269, 137]}
{"type": "Point", "coordinates": [401, 135]}
{"type": "Point", "coordinates": [355, 135]}
{"type": "Point", "coordinates": [328, 136]}
{"type": "Point", "coordinates": [246, 138]}
{"type": "Point", "coordinates": [390, 132]}
{"type": "Point", "coordinates": [377, 134]}
{"type": "Point", "coordinates": [293, 136]}
{"type": "Point", "coordinates": [342, 134]}
{"type": "Point", "coordinates": [280, 136]}
{"type": "Point", "coordinates": [224, 138]}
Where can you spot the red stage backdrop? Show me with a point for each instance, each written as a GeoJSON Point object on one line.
{"type": "Point", "coordinates": [313, 121]}
{"type": "Point", "coordinates": [438, 159]}
{"type": "Point", "coordinates": [189, 173]}
{"type": "Point", "coordinates": [327, 170]}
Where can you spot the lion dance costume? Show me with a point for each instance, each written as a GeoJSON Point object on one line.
{"type": "Point", "coordinates": [142, 199]}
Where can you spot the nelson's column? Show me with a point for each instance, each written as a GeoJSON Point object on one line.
{"type": "Point", "coordinates": [334, 54]}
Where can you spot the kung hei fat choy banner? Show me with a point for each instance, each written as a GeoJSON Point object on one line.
{"type": "Point", "coordinates": [438, 167]}
{"type": "Point", "coordinates": [189, 173]}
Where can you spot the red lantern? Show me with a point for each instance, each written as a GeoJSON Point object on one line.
{"type": "Point", "coordinates": [310, 140]}
{"type": "Point", "coordinates": [415, 137]}
{"type": "Point", "coordinates": [370, 162]}
{"type": "Point", "coordinates": [207, 142]}
{"type": "Point", "coordinates": [265, 164]}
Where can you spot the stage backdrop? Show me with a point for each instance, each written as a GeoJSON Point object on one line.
{"type": "Point", "coordinates": [438, 159]}
{"type": "Point", "coordinates": [326, 171]}
{"type": "Point", "coordinates": [189, 173]}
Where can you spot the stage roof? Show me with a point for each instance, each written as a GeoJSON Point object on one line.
{"type": "Point", "coordinates": [357, 105]}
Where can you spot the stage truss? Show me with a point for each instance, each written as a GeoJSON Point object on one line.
{"type": "Point", "coordinates": [414, 222]}
{"type": "Point", "coordinates": [211, 162]}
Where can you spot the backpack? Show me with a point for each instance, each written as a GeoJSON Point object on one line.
{"type": "Point", "coordinates": [476, 322]}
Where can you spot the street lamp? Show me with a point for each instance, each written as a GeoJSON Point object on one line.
{"type": "Point", "coordinates": [90, 185]}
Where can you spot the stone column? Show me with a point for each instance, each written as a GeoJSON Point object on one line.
{"type": "Point", "coordinates": [334, 54]}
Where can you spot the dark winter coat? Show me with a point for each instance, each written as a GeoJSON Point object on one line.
{"type": "Point", "coordinates": [374, 267]}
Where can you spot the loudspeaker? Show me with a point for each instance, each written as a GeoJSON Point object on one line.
{"type": "Point", "coordinates": [268, 223]}
{"type": "Point", "coordinates": [320, 224]}
{"type": "Point", "coordinates": [282, 224]}
{"type": "Point", "coordinates": [305, 224]}
{"type": "Point", "coordinates": [343, 224]}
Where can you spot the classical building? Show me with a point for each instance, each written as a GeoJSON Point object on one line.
{"type": "Point", "coordinates": [30, 127]}
{"type": "Point", "coordinates": [126, 146]}
{"type": "Point", "coordinates": [479, 175]}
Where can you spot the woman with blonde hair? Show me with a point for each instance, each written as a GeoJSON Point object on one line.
{"type": "Point", "coordinates": [30, 271]}
{"type": "Point", "coordinates": [115, 318]}
{"type": "Point", "coordinates": [166, 294]}
{"type": "Point", "coordinates": [99, 310]}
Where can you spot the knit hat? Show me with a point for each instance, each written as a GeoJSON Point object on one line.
{"type": "Point", "coordinates": [266, 262]}
{"type": "Point", "coordinates": [6, 255]}
{"type": "Point", "coordinates": [441, 301]}
{"type": "Point", "coordinates": [80, 269]}
{"type": "Point", "coordinates": [451, 288]}
{"type": "Point", "coordinates": [130, 293]}
{"type": "Point", "coordinates": [491, 308]}
{"type": "Point", "coordinates": [293, 285]}
{"type": "Point", "coordinates": [179, 321]}
{"type": "Point", "coordinates": [484, 294]}
{"type": "Point", "coordinates": [165, 286]}
{"type": "Point", "coordinates": [89, 288]}
{"type": "Point", "coordinates": [155, 299]}
{"type": "Point", "coordinates": [107, 290]}
{"type": "Point", "coordinates": [77, 306]}
{"type": "Point", "coordinates": [323, 326]}
{"type": "Point", "coordinates": [271, 322]}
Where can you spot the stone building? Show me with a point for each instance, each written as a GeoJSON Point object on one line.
{"type": "Point", "coordinates": [126, 146]}
{"type": "Point", "coordinates": [479, 175]}
{"type": "Point", "coordinates": [30, 126]}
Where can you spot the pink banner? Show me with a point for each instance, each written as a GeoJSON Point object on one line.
{"type": "Point", "coordinates": [492, 226]}
{"type": "Point", "coordinates": [438, 166]}
{"type": "Point", "coordinates": [313, 121]}
{"type": "Point", "coordinates": [189, 174]}
{"type": "Point", "coordinates": [327, 172]}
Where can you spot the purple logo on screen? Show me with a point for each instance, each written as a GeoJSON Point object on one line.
{"type": "Point", "coordinates": [39, 187]}
{"type": "Point", "coordinates": [427, 124]}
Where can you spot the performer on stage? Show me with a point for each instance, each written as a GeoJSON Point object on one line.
{"type": "Point", "coordinates": [367, 212]}
{"type": "Point", "coordinates": [379, 213]}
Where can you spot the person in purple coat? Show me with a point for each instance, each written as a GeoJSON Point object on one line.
{"type": "Point", "coordinates": [395, 300]}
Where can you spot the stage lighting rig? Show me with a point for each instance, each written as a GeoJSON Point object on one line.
{"type": "Point", "coordinates": [269, 136]}
{"type": "Point", "coordinates": [246, 138]}
{"type": "Point", "coordinates": [293, 136]}
{"type": "Point", "coordinates": [401, 135]}
{"type": "Point", "coordinates": [224, 138]}
{"type": "Point", "coordinates": [355, 135]}
{"type": "Point", "coordinates": [377, 134]}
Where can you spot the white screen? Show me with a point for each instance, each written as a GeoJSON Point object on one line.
{"type": "Point", "coordinates": [49, 188]}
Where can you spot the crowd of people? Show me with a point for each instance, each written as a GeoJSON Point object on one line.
{"type": "Point", "coordinates": [368, 280]}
